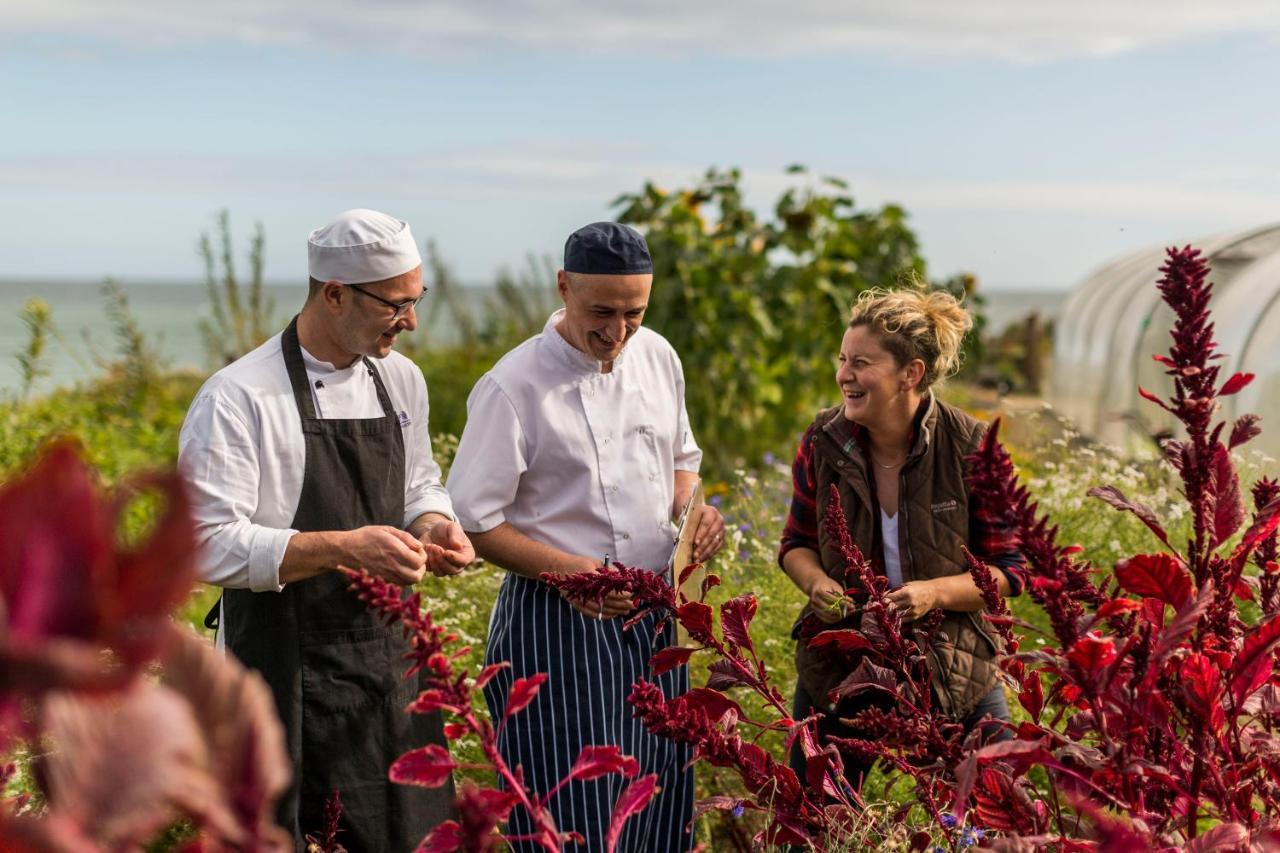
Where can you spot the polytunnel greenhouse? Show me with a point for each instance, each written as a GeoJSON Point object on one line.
{"type": "Point", "coordinates": [1110, 326]}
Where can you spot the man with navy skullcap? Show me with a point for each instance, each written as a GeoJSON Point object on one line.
{"type": "Point", "coordinates": [577, 449]}
{"type": "Point", "coordinates": [307, 455]}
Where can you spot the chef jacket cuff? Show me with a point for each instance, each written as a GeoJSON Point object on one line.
{"type": "Point", "coordinates": [414, 511]}
{"type": "Point", "coordinates": [265, 556]}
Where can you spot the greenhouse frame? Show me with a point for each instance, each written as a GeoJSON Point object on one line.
{"type": "Point", "coordinates": [1111, 325]}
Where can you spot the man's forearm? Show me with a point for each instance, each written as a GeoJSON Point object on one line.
{"type": "Point", "coordinates": [685, 481]}
{"type": "Point", "coordinates": [512, 550]}
{"type": "Point", "coordinates": [311, 554]}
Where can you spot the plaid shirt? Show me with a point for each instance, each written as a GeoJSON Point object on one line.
{"type": "Point", "coordinates": [990, 540]}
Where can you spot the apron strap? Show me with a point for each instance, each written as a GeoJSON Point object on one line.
{"type": "Point", "coordinates": [292, 351]}
{"type": "Point", "coordinates": [211, 618]}
{"type": "Point", "coordinates": [383, 397]}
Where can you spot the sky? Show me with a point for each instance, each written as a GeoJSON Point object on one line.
{"type": "Point", "coordinates": [1029, 141]}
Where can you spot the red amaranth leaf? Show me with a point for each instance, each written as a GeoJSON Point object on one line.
{"type": "Point", "coordinates": [1181, 626]}
{"type": "Point", "coordinates": [844, 640]}
{"type": "Point", "coordinates": [1228, 507]}
{"type": "Point", "coordinates": [696, 617]}
{"type": "Point", "coordinates": [445, 837]}
{"type": "Point", "coordinates": [1147, 395]}
{"type": "Point", "coordinates": [1237, 382]}
{"type": "Point", "coordinates": [597, 761]}
{"type": "Point", "coordinates": [1245, 428]}
{"type": "Point", "coordinates": [713, 703]}
{"type": "Point", "coordinates": [430, 767]}
{"type": "Point", "coordinates": [238, 721]}
{"type": "Point", "coordinates": [1116, 498]}
{"type": "Point", "coordinates": [867, 676]}
{"type": "Point", "coordinates": [631, 802]}
{"type": "Point", "coordinates": [735, 619]}
{"type": "Point", "coordinates": [1202, 685]}
{"type": "Point", "coordinates": [1265, 522]}
{"type": "Point", "coordinates": [1155, 576]}
{"type": "Point", "coordinates": [668, 659]}
{"type": "Point", "coordinates": [523, 691]}
{"type": "Point", "coordinates": [1256, 660]}
{"type": "Point", "coordinates": [1092, 652]}
{"type": "Point", "coordinates": [486, 675]}
{"type": "Point", "coordinates": [1224, 836]}
{"type": "Point", "coordinates": [1117, 606]}
{"type": "Point", "coordinates": [126, 766]}
{"type": "Point", "coordinates": [64, 575]}
{"type": "Point", "coordinates": [722, 675]}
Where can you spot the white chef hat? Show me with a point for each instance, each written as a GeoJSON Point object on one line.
{"type": "Point", "coordinates": [361, 246]}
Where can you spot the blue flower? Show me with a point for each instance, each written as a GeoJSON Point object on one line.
{"type": "Point", "coordinates": [738, 810]}
{"type": "Point", "coordinates": [949, 821]}
{"type": "Point", "coordinates": [769, 458]}
{"type": "Point", "coordinates": [744, 528]}
{"type": "Point", "coordinates": [744, 554]}
{"type": "Point", "coordinates": [967, 837]}
{"type": "Point", "coordinates": [716, 500]}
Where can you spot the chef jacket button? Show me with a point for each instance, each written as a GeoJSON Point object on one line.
{"type": "Point", "coordinates": [613, 488]}
{"type": "Point", "coordinates": [624, 535]}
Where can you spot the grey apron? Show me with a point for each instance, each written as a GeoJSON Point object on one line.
{"type": "Point", "coordinates": [334, 669]}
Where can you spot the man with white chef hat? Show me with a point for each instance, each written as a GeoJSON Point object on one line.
{"type": "Point", "coordinates": [309, 454]}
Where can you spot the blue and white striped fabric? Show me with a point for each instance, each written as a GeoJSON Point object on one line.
{"type": "Point", "coordinates": [591, 666]}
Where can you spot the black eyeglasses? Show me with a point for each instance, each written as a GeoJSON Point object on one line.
{"type": "Point", "coordinates": [401, 308]}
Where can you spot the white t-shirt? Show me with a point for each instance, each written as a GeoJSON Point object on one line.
{"type": "Point", "coordinates": [580, 460]}
{"type": "Point", "coordinates": [892, 557]}
{"type": "Point", "coordinates": [241, 450]}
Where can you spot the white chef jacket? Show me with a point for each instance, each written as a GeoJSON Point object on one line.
{"type": "Point", "coordinates": [241, 451]}
{"type": "Point", "coordinates": [578, 459]}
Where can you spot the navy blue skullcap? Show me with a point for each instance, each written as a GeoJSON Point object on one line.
{"type": "Point", "coordinates": [607, 248]}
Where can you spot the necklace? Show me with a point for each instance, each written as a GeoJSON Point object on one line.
{"type": "Point", "coordinates": [887, 467]}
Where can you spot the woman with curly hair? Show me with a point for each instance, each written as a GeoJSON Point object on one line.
{"type": "Point", "coordinates": [896, 455]}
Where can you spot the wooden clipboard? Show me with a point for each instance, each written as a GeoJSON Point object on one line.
{"type": "Point", "coordinates": [683, 552]}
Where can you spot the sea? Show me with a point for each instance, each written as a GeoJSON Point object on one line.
{"type": "Point", "coordinates": [170, 316]}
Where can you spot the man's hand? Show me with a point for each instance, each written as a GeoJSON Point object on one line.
{"type": "Point", "coordinates": [385, 552]}
{"type": "Point", "coordinates": [914, 599]}
{"type": "Point", "coordinates": [448, 549]}
{"type": "Point", "coordinates": [614, 604]}
{"type": "Point", "coordinates": [827, 597]}
{"type": "Point", "coordinates": [709, 537]}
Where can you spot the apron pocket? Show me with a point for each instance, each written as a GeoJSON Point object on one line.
{"type": "Point", "coordinates": [350, 670]}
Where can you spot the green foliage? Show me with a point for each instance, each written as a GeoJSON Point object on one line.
{"type": "Point", "coordinates": [136, 368]}
{"type": "Point", "coordinates": [31, 366]}
{"type": "Point", "coordinates": [242, 313]}
{"type": "Point", "coordinates": [755, 306]}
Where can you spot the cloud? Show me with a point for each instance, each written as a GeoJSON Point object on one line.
{"type": "Point", "coordinates": [594, 174]}
{"type": "Point", "coordinates": [1014, 30]}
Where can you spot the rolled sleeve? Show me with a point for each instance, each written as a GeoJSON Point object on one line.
{"type": "Point", "coordinates": [424, 492]}
{"type": "Point", "coordinates": [218, 457]}
{"type": "Point", "coordinates": [685, 451]}
{"type": "Point", "coordinates": [491, 458]}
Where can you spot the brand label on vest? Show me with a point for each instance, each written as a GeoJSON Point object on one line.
{"type": "Point", "coordinates": [944, 506]}
{"type": "Point", "coordinates": [404, 422]}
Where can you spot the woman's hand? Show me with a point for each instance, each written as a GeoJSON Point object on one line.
{"type": "Point", "coordinates": [914, 599]}
{"type": "Point", "coordinates": [828, 599]}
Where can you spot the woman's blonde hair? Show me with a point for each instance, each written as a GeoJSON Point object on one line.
{"type": "Point", "coordinates": [913, 322]}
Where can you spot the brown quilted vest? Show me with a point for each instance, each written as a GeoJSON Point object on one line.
{"type": "Point", "coordinates": [933, 525]}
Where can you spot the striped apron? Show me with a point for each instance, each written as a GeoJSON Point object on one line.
{"type": "Point", "coordinates": [591, 666]}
